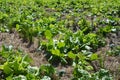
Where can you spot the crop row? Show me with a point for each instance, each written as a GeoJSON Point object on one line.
{"type": "Point", "coordinates": [69, 32]}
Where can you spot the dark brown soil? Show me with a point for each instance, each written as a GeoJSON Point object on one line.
{"type": "Point", "coordinates": [109, 62]}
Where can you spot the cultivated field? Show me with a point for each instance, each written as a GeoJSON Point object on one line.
{"type": "Point", "coordinates": [59, 39]}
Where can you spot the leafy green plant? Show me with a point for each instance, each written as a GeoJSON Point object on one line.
{"type": "Point", "coordinates": [105, 30]}
{"type": "Point", "coordinates": [69, 32]}
{"type": "Point", "coordinates": [85, 25]}
{"type": "Point", "coordinates": [115, 51]}
{"type": "Point", "coordinates": [47, 71]}
{"type": "Point", "coordinates": [17, 67]}
{"type": "Point", "coordinates": [80, 74]}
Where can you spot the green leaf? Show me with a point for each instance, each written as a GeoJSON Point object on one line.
{"type": "Point", "coordinates": [71, 55]}
{"type": "Point", "coordinates": [57, 52]}
{"type": "Point", "coordinates": [47, 69]}
{"type": "Point", "coordinates": [94, 57]}
{"type": "Point", "coordinates": [33, 70]}
{"type": "Point", "coordinates": [81, 56]}
{"type": "Point", "coordinates": [61, 44]}
{"type": "Point", "coordinates": [46, 78]}
{"type": "Point", "coordinates": [1, 67]}
{"type": "Point", "coordinates": [9, 77]}
{"type": "Point", "coordinates": [48, 34]}
{"type": "Point", "coordinates": [89, 68]}
{"type": "Point", "coordinates": [15, 66]}
{"type": "Point", "coordinates": [18, 27]}
{"type": "Point", "coordinates": [7, 69]}
{"type": "Point", "coordinates": [63, 60]}
{"type": "Point", "coordinates": [20, 77]}
{"type": "Point", "coordinates": [26, 58]}
{"type": "Point", "coordinates": [51, 19]}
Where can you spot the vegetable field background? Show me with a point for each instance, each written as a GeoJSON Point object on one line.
{"type": "Point", "coordinates": [59, 40]}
